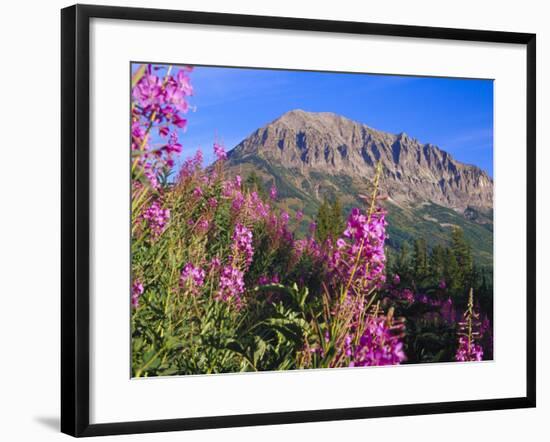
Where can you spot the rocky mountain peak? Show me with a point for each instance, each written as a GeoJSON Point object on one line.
{"type": "Point", "coordinates": [313, 144]}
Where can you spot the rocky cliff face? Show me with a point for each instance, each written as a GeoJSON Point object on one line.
{"type": "Point", "coordinates": [328, 145]}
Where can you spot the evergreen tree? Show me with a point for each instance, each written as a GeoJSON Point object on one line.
{"type": "Point", "coordinates": [402, 264]}
{"type": "Point", "coordinates": [323, 221]}
{"type": "Point", "coordinates": [254, 183]}
{"type": "Point", "coordinates": [453, 275]}
{"type": "Point", "coordinates": [330, 220]}
{"type": "Point", "coordinates": [437, 262]}
{"type": "Point", "coordinates": [420, 260]}
{"type": "Point", "coordinates": [336, 218]}
{"type": "Point", "coordinates": [463, 255]}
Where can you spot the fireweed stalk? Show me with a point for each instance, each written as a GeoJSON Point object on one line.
{"type": "Point", "coordinates": [469, 334]}
{"type": "Point", "coordinates": [353, 332]}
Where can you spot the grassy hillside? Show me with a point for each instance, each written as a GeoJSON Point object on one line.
{"type": "Point", "coordinates": [427, 220]}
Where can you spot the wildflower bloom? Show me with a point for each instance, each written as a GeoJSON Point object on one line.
{"type": "Point", "coordinates": [231, 285]}
{"type": "Point", "coordinates": [178, 121]}
{"type": "Point", "coordinates": [407, 295]}
{"type": "Point", "coordinates": [273, 192]}
{"type": "Point", "coordinates": [242, 243]}
{"type": "Point", "coordinates": [137, 291]}
{"type": "Point", "coordinates": [164, 131]}
{"type": "Point", "coordinates": [360, 255]}
{"type": "Point", "coordinates": [152, 178]}
{"type": "Point", "coordinates": [265, 280]}
{"type": "Point", "coordinates": [203, 225]}
{"type": "Point", "coordinates": [158, 102]}
{"type": "Point", "coordinates": [378, 345]}
{"type": "Point", "coordinates": [192, 277]}
{"type": "Point", "coordinates": [197, 192]}
{"type": "Point", "coordinates": [148, 91]}
{"type": "Point", "coordinates": [448, 312]}
{"type": "Point", "coordinates": [468, 351]}
{"type": "Point", "coordinates": [469, 333]}
{"type": "Point", "coordinates": [238, 201]}
{"type": "Point", "coordinates": [284, 217]}
{"type": "Point", "coordinates": [190, 166]}
{"type": "Point", "coordinates": [219, 151]}
{"type": "Point", "coordinates": [156, 218]}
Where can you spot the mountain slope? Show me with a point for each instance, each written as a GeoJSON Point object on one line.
{"type": "Point", "coordinates": [311, 156]}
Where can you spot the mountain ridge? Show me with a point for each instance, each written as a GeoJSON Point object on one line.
{"type": "Point", "coordinates": [335, 145]}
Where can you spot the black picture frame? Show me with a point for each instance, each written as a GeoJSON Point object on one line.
{"type": "Point", "coordinates": [75, 224]}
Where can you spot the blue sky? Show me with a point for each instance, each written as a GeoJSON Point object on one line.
{"type": "Point", "coordinates": [454, 114]}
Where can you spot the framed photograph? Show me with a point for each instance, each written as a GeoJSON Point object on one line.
{"type": "Point", "coordinates": [272, 220]}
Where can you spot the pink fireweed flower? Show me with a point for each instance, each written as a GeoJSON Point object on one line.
{"type": "Point", "coordinates": [219, 151]}
{"type": "Point", "coordinates": [178, 121]}
{"type": "Point", "coordinates": [407, 295]}
{"type": "Point", "coordinates": [148, 91]}
{"type": "Point", "coordinates": [152, 178]}
{"type": "Point", "coordinates": [469, 333]}
{"type": "Point", "coordinates": [468, 352]}
{"type": "Point", "coordinates": [238, 201]}
{"type": "Point", "coordinates": [396, 279]}
{"type": "Point", "coordinates": [164, 131]}
{"type": "Point", "coordinates": [231, 286]}
{"type": "Point", "coordinates": [213, 202]}
{"type": "Point", "coordinates": [284, 217]}
{"type": "Point", "coordinates": [176, 92]}
{"type": "Point", "coordinates": [183, 81]}
{"type": "Point", "coordinates": [203, 225]}
{"type": "Point", "coordinates": [347, 346]}
{"type": "Point", "coordinates": [448, 312]}
{"type": "Point", "coordinates": [442, 284]}
{"type": "Point", "coordinates": [215, 263]}
{"type": "Point", "coordinates": [137, 291]}
{"type": "Point", "coordinates": [379, 345]}
{"type": "Point", "coordinates": [485, 325]}
{"type": "Point", "coordinates": [273, 192]}
{"type": "Point", "coordinates": [242, 244]}
{"type": "Point", "coordinates": [227, 189]}
{"type": "Point", "coordinates": [265, 280]}
{"type": "Point", "coordinates": [308, 247]}
{"type": "Point", "coordinates": [192, 277]}
{"type": "Point", "coordinates": [173, 145]}
{"type": "Point", "coordinates": [256, 209]}
{"type": "Point", "coordinates": [238, 181]}
{"type": "Point", "coordinates": [299, 215]}
{"type": "Point", "coordinates": [359, 256]}
{"type": "Point", "coordinates": [340, 243]}
{"type": "Point", "coordinates": [157, 104]}
{"type": "Point", "coordinates": [138, 134]}
{"type": "Point", "coordinates": [197, 192]}
{"type": "Point", "coordinates": [156, 218]}
{"type": "Point", "coordinates": [190, 166]}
